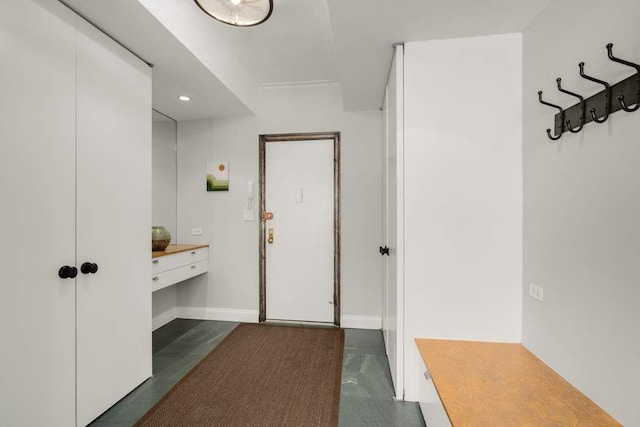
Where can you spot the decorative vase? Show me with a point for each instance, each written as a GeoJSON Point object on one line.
{"type": "Point", "coordinates": [160, 238]}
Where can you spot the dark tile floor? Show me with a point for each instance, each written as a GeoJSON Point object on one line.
{"type": "Point", "coordinates": [366, 397]}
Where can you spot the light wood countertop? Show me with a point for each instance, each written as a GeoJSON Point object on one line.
{"type": "Point", "coordinates": [174, 249]}
{"type": "Point", "coordinates": [496, 384]}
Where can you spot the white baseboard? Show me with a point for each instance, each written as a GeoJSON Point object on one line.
{"type": "Point", "coordinates": [251, 316]}
{"type": "Point", "coordinates": [361, 322]}
{"type": "Point", "coordinates": [164, 318]}
{"type": "Point", "coordinates": [223, 314]}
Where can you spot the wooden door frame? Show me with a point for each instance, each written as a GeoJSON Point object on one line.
{"type": "Point", "coordinates": [297, 137]}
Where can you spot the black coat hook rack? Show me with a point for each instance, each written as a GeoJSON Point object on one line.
{"type": "Point", "coordinates": [614, 97]}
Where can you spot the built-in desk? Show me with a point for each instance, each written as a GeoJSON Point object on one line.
{"type": "Point", "coordinates": [497, 384]}
{"type": "Point", "coordinates": [177, 263]}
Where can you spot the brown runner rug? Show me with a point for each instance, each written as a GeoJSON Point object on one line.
{"type": "Point", "coordinates": [259, 375]}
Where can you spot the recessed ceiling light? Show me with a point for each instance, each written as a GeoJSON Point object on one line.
{"type": "Point", "coordinates": [184, 98]}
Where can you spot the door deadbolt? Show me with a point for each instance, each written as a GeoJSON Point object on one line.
{"type": "Point", "coordinates": [270, 236]}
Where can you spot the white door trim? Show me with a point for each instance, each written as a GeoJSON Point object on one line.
{"type": "Point", "coordinates": [292, 137]}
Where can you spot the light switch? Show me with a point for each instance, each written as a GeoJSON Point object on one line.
{"type": "Point", "coordinates": [299, 195]}
{"type": "Point", "coordinates": [248, 215]}
{"type": "Point", "coordinates": [196, 231]}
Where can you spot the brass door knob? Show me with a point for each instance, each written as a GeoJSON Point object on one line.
{"type": "Point", "coordinates": [266, 216]}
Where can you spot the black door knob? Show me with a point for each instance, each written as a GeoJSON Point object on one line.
{"type": "Point", "coordinates": [64, 272]}
{"type": "Point", "coordinates": [89, 267]}
{"type": "Point", "coordinates": [67, 272]}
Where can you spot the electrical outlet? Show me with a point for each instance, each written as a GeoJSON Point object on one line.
{"type": "Point", "coordinates": [196, 231]}
{"type": "Point", "coordinates": [536, 291]}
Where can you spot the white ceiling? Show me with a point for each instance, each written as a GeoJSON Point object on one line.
{"type": "Point", "coordinates": [176, 70]}
{"type": "Point", "coordinates": [295, 45]}
{"type": "Point", "coordinates": [364, 31]}
{"type": "Point", "coordinates": [304, 41]}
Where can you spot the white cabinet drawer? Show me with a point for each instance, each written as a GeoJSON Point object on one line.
{"type": "Point", "coordinates": [169, 262]}
{"type": "Point", "coordinates": [171, 277]}
{"type": "Point", "coordinates": [432, 409]}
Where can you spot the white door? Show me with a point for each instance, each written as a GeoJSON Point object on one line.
{"type": "Point", "coordinates": [385, 219]}
{"type": "Point", "coordinates": [392, 227]}
{"type": "Point", "coordinates": [37, 213]}
{"type": "Point", "coordinates": [113, 222]}
{"type": "Point", "coordinates": [299, 191]}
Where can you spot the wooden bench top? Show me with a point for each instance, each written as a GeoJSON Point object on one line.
{"type": "Point", "coordinates": [174, 249]}
{"type": "Point", "coordinates": [497, 384]}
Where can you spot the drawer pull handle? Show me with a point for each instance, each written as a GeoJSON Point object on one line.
{"type": "Point", "coordinates": [427, 375]}
{"type": "Point", "coordinates": [193, 253]}
{"type": "Point", "coordinates": [155, 261]}
{"type": "Point", "coordinates": [155, 279]}
{"type": "Point", "coordinates": [193, 266]}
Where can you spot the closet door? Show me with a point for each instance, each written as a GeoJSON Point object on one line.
{"type": "Point", "coordinates": [37, 213]}
{"type": "Point", "coordinates": [114, 222]}
{"type": "Point", "coordinates": [393, 223]}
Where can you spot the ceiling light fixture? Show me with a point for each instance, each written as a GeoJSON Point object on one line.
{"type": "Point", "coordinates": [241, 13]}
{"type": "Point", "coordinates": [184, 98]}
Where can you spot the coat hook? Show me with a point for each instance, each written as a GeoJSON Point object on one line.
{"type": "Point", "coordinates": [623, 104]}
{"type": "Point", "coordinates": [607, 96]}
{"type": "Point", "coordinates": [561, 116]}
{"type": "Point", "coordinates": [582, 107]}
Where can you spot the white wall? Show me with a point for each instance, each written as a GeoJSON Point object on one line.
{"type": "Point", "coordinates": [581, 207]}
{"type": "Point", "coordinates": [163, 308]}
{"type": "Point", "coordinates": [463, 192]}
{"type": "Point", "coordinates": [231, 290]}
{"type": "Point", "coordinates": [231, 286]}
{"type": "Point", "coordinates": [164, 200]}
{"type": "Point", "coordinates": [164, 175]}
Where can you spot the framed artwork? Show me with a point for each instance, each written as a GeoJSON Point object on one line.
{"type": "Point", "coordinates": [218, 176]}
